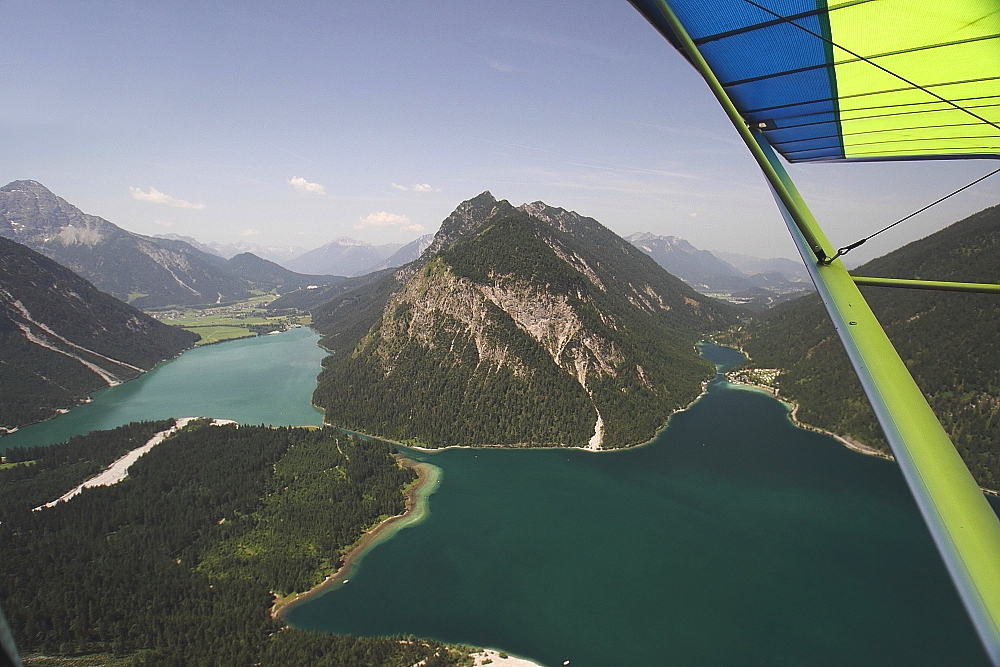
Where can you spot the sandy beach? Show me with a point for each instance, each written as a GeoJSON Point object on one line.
{"type": "Point", "coordinates": [497, 660]}
{"type": "Point", "coordinates": [427, 478]}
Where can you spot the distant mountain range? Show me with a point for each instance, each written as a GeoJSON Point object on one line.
{"type": "Point", "coordinates": [746, 280]}
{"type": "Point", "coordinates": [341, 257]}
{"type": "Point", "coordinates": [349, 257]}
{"type": "Point", "coordinates": [276, 254]}
{"type": "Point", "coordinates": [950, 342]}
{"type": "Point", "coordinates": [145, 271]}
{"type": "Point", "coordinates": [791, 270]}
{"type": "Point", "coordinates": [61, 338]}
{"type": "Point", "coordinates": [516, 326]}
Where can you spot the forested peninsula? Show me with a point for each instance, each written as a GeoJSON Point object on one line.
{"type": "Point", "coordinates": [180, 563]}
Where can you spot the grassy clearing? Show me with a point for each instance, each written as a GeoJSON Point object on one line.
{"type": "Point", "coordinates": [4, 466]}
{"type": "Point", "coordinates": [193, 319]}
{"type": "Point", "coordinates": [217, 334]}
{"type": "Point", "coordinates": [237, 320]}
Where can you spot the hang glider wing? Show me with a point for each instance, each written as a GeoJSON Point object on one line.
{"type": "Point", "coordinates": [866, 80]}
{"type": "Point", "coordinates": [856, 79]}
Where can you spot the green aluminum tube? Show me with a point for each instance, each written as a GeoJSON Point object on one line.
{"type": "Point", "coordinates": [961, 521]}
{"type": "Point", "coordinates": [987, 288]}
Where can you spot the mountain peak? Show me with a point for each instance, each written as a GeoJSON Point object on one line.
{"type": "Point", "coordinates": [23, 193]}
{"type": "Point", "coordinates": [33, 187]}
{"type": "Point", "coordinates": [30, 212]}
{"type": "Point", "coordinates": [467, 216]}
{"type": "Point", "coordinates": [348, 241]}
{"type": "Point", "coordinates": [560, 219]}
{"type": "Point", "coordinates": [669, 241]}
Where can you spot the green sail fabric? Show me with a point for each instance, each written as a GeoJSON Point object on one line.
{"type": "Point", "coordinates": [857, 79]}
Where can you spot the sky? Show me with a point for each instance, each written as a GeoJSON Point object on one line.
{"type": "Point", "coordinates": [298, 122]}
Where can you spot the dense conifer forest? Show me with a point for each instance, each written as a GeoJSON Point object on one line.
{"type": "Point", "coordinates": [950, 341]}
{"type": "Point", "coordinates": [176, 564]}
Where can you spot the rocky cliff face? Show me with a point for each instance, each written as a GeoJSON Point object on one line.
{"type": "Point", "coordinates": [61, 338]}
{"type": "Point", "coordinates": [520, 326]}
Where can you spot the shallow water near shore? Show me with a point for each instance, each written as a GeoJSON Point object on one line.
{"type": "Point", "coordinates": [261, 380]}
{"type": "Point", "coordinates": [733, 538]}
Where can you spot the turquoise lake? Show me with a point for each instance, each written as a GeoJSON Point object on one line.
{"type": "Point", "coordinates": [261, 380]}
{"type": "Point", "coordinates": [734, 538]}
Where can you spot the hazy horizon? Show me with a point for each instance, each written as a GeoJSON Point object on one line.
{"type": "Point", "coordinates": [295, 124]}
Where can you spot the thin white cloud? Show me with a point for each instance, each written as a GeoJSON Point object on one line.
{"type": "Point", "coordinates": [417, 187]}
{"type": "Point", "coordinates": [302, 185]}
{"type": "Point", "coordinates": [559, 41]}
{"type": "Point", "coordinates": [154, 196]}
{"type": "Point", "coordinates": [163, 223]}
{"type": "Point", "coordinates": [250, 232]}
{"type": "Point", "coordinates": [501, 66]}
{"type": "Point", "coordinates": [384, 219]}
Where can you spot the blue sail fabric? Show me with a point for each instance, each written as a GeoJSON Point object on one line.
{"type": "Point", "coordinates": [854, 80]}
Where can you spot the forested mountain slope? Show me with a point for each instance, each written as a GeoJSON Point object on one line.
{"type": "Point", "coordinates": [517, 326]}
{"type": "Point", "coordinates": [949, 340]}
{"type": "Point", "coordinates": [177, 564]}
{"type": "Point", "coordinates": [61, 338]}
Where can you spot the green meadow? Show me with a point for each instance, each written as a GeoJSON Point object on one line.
{"type": "Point", "coordinates": [238, 320]}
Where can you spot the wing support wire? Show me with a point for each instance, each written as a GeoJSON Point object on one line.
{"type": "Point", "coordinates": [961, 522]}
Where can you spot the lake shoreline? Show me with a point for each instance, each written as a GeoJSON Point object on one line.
{"type": "Point", "coordinates": [847, 441]}
{"type": "Point", "coordinates": [583, 448]}
{"type": "Point", "coordinates": [239, 373]}
{"type": "Point", "coordinates": [84, 400]}
{"type": "Point", "coordinates": [793, 410]}
{"type": "Point", "coordinates": [415, 510]}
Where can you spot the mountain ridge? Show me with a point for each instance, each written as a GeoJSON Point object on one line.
{"type": "Point", "coordinates": [516, 326]}
{"type": "Point", "coordinates": [755, 282]}
{"type": "Point", "coordinates": [343, 256]}
{"type": "Point", "coordinates": [63, 338]}
{"type": "Point", "coordinates": [143, 270]}
{"type": "Point", "coordinates": [230, 250]}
